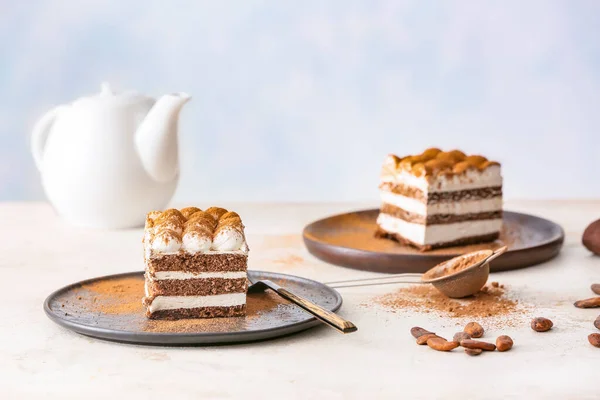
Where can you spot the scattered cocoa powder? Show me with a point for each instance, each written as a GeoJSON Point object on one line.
{"type": "Point", "coordinates": [115, 296]}
{"type": "Point", "coordinates": [290, 260]}
{"type": "Point", "coordinates": [427, 299]}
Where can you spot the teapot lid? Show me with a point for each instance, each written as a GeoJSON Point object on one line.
{"type": "Point", "coordinates": [108, 95]}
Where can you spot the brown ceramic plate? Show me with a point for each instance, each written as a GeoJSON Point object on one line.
{"type": "Point", "coordinates": [110, 308]}
{"type": "Point", "coordinates": [348, 240]}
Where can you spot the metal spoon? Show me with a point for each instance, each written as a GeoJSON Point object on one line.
{"type": "Point", "coordinates": [463, 283]}
{"type": "Point", "coordinates": [328, 317]}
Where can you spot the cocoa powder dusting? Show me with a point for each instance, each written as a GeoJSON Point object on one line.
{"type": "Point", "coordinates": [463, 263]}
{"type": "Point", "coordinates": [490, 302]}
{"type": "Point", "coordinates": [454, 266]}
{"type": "Point", "coordinates": [289, 260]}
{"type": "Point", "coordinates": [115, 296]}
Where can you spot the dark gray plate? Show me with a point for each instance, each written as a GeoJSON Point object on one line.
{"type": "Point", "coordinates": [110, 308]}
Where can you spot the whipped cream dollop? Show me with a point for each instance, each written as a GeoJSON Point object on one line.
{"type": "Point", "coordinates": [166, 241]}
{"type": "Point", "coordinates": [173, 225]}
{"type": "Point", "coordinates": [228, 238]}
{"type": "Point", "coordinates": [196, 241]}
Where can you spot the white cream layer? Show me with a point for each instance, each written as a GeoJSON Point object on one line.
{"type": "Point", "coordinates": [455, 207]}
{"type": "Point", "coordinates": [175, 302]}
{"type": "Point", "coordinates": [470, 179]}
{"type": "Point", "coordinates": [180, 275]}
{"type": "Point", "coordinates": [439, 233]}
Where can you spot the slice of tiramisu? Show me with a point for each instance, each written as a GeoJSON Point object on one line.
{"type": "Point", "coordinates": [439, 199]}
{"type": "Point", "coordinates": [196, 264]}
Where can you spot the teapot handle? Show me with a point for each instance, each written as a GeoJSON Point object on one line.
{"type": "Point", "coordinates": [40, 135]}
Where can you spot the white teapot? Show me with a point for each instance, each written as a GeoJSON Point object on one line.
{"type": "Point", "coordinates": [108, 159]}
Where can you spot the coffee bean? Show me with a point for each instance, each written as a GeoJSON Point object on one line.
{"type": "Point", "coordinates": [596, 288]}
{"type": "Point", "coordinates": [504, 343]}
{"type": "Point", "coordinates": [424, 338]}
{"type": "Point", "coordinates": [460, 336]}
{"type": "Point", "coordinates": [597, 322]}
{"type": "Point", "coordinates": [474, 330]}
{"type": "Point", "coordinates": [591, 237]}
{"type": "Point", "coordinates": [594, 339]}
{"type": "Point", "coordinates": [541, 324]}
{"type": "Point", "coordinates": [594, 302]}
{"type": "Point", "coordinates": [441, 344]}
{"type": "Point", "coordinates": [477, 344]}
{"type": "Point", "coordinates": [473, 352]}
{"type": "Point", "coordinates": [418, 332]}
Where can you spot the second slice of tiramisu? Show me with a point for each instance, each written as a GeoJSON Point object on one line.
{"type": "Point", "coordinates": [196, 264]}
{"type": "Point", "coordinates": [440, 198]}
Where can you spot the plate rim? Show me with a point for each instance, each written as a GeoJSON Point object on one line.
{"type": "Point", "coordinates": [153, 338]}
{"type": "Point", "coordinates": [312, 242]}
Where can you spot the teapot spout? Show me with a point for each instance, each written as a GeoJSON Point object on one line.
{"type": "Point", "coordinates": [156, 137]}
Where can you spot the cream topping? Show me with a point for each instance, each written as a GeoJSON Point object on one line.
{"type": "Point", "coordinates": [228, 239]}
{"type": "Point", "coordinates": [435, 170]}
{"type": "Point", "coordinates": [194, 231]}
{"type": "Point", "coordinates": [166, 241]}
{"type": "Point", "coordinates": [196, 242]}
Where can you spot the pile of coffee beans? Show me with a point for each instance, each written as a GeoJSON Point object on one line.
{"type": "Point", "coordinates": [593, 302]}
{"type": "Point", "coordinates": [464, 339]}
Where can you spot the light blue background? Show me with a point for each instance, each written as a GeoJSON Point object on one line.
{"type": "Point", "coordinates": [301, 100]}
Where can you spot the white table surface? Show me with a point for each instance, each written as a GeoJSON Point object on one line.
{"type": "Point", "coordinates": [40, 359]}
